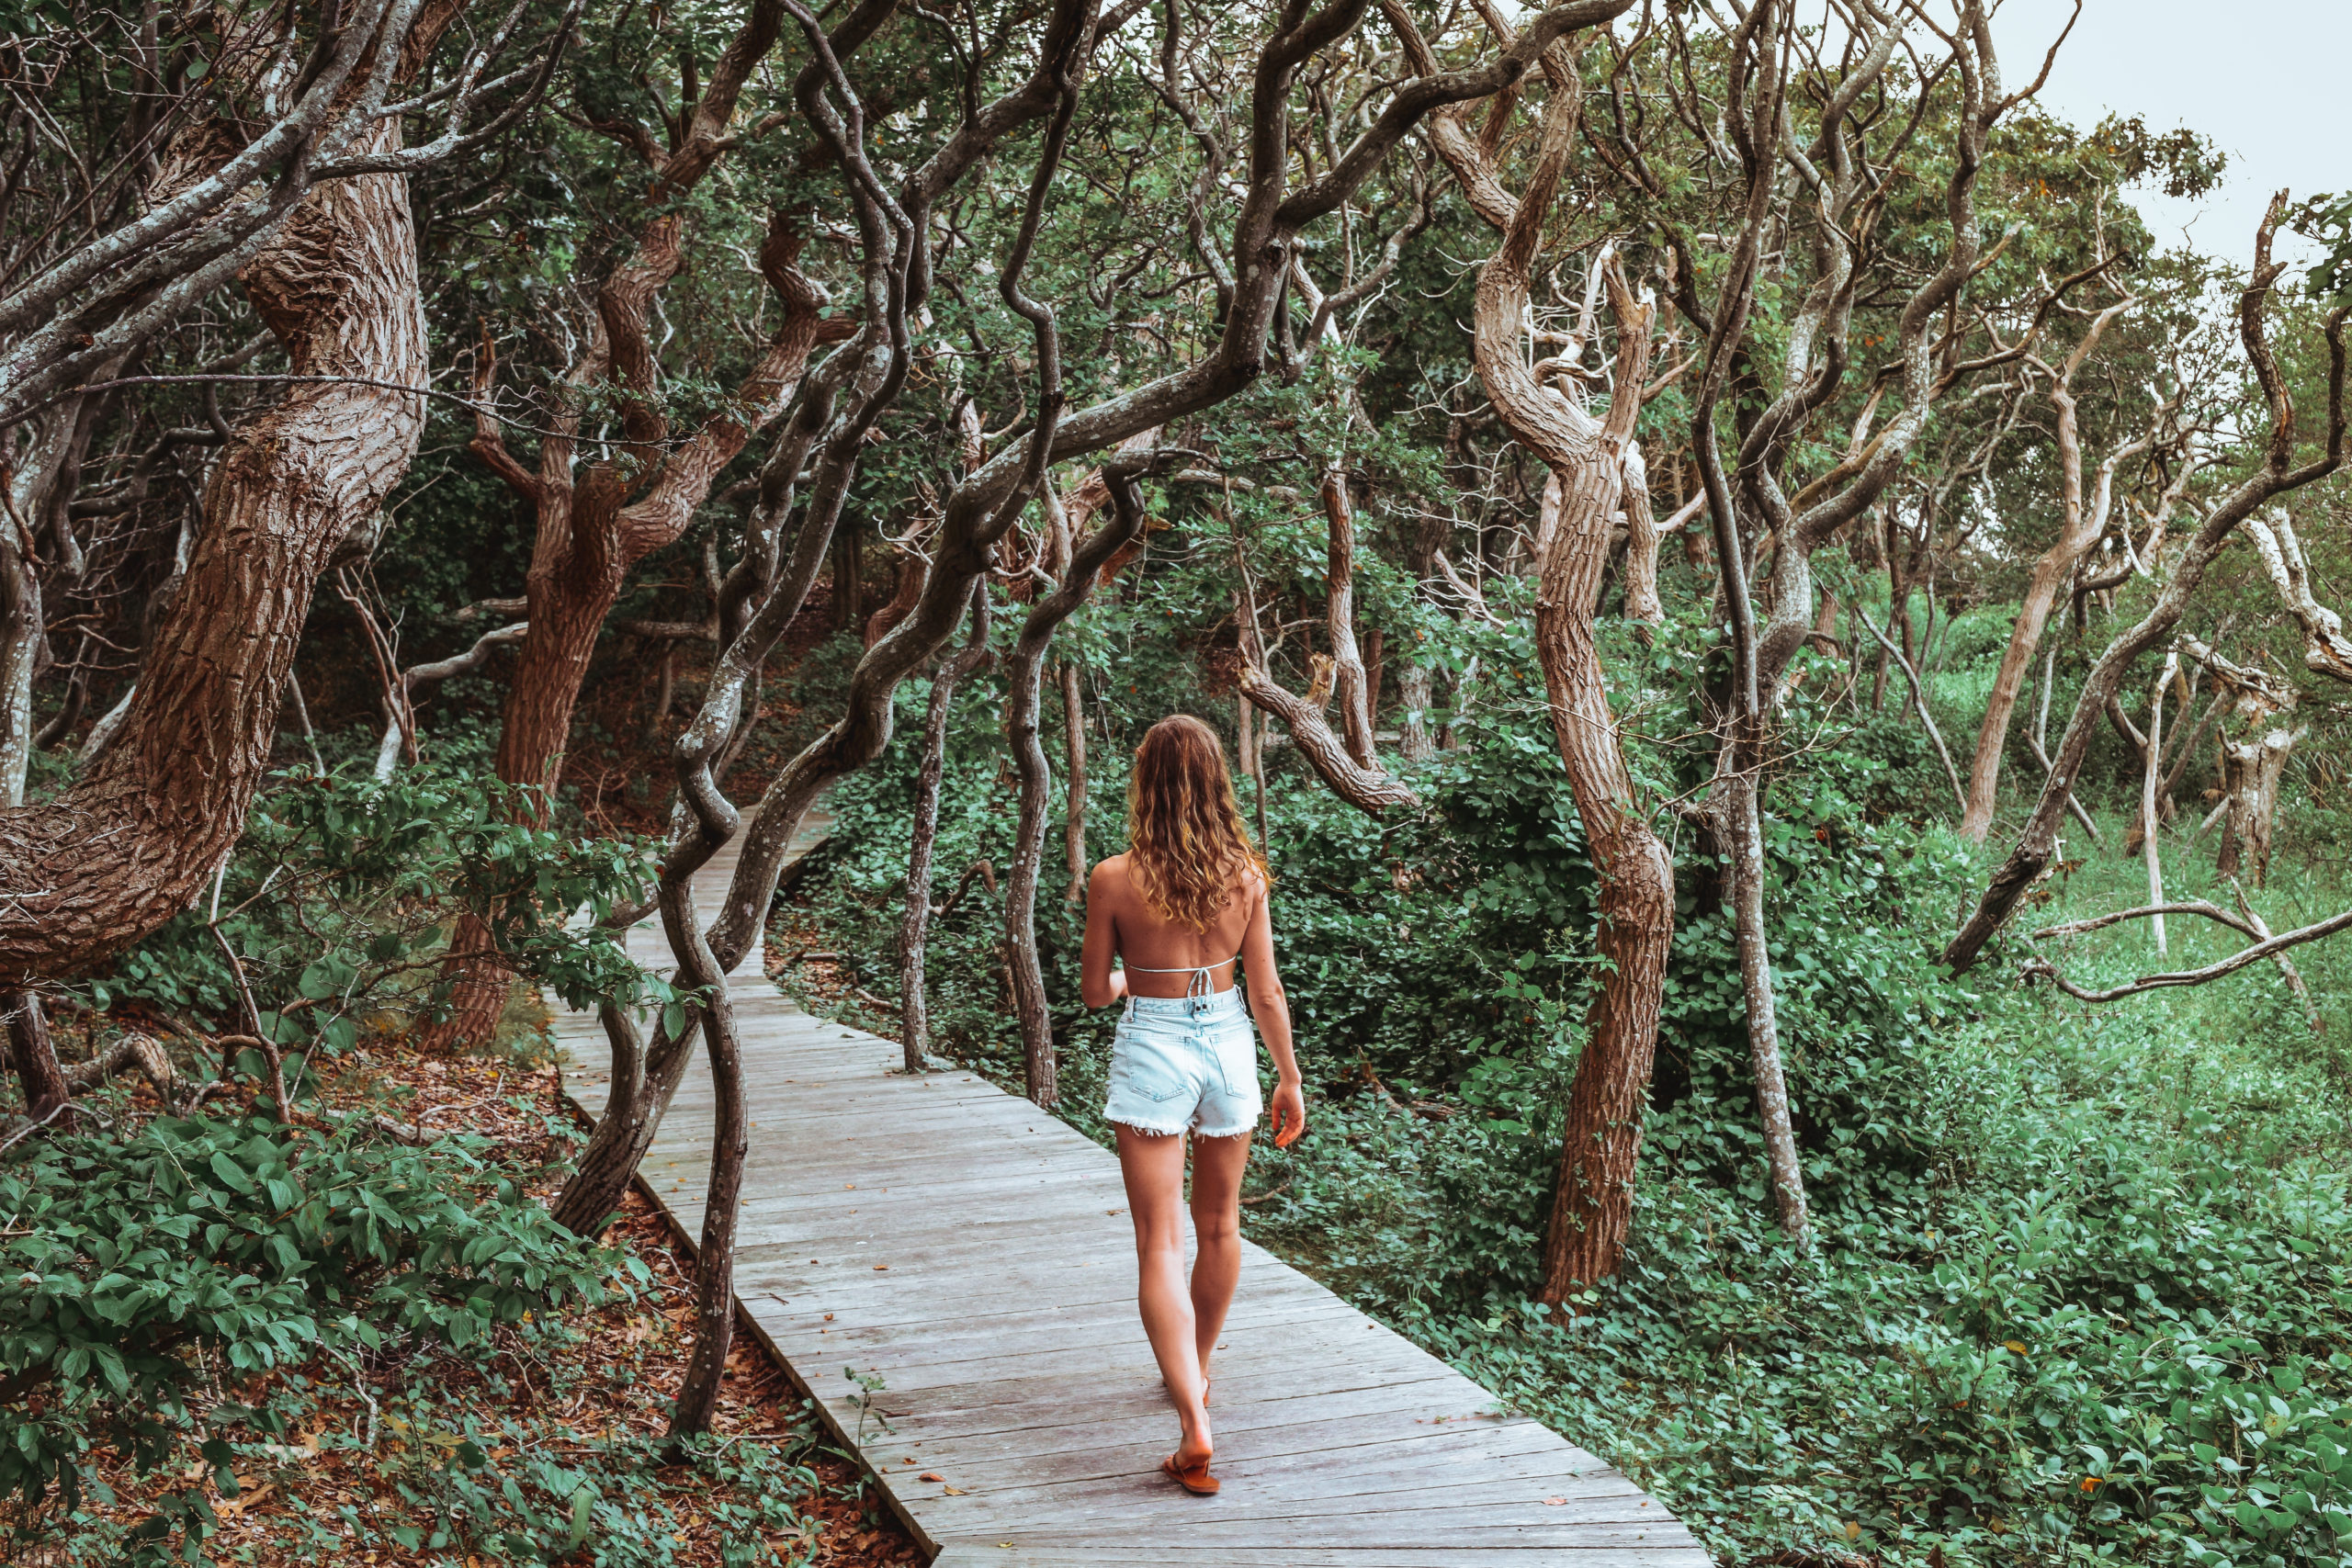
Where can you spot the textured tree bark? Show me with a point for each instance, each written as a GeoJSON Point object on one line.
{"type": "Point", "coordinates": [1074, 782]}
{"type": "Point", "coordinates": [914, 927]}
{"type": "Point", "coordinates": [1602, 1137]}
{"type": "Point", "coordinates": [2250, 772]}
{"type": "Point", "coordinates": [32, 1056]}
{"type": "Point", "coordinates": [1641, 543]}
{"type": "Point", "coordinates": [1734, 813]}
{"type": "Point", "coordinates": [132, 843]}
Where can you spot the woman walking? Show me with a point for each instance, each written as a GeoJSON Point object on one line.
{"type": "Point", "coordinates": [1180, 908]}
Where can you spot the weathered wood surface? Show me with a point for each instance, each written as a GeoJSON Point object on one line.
{"type": "Point", "coordinates": [975, 1255]}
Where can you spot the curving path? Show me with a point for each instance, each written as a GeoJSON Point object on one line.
{"type": "Point", "coordinates": [971, 1256]}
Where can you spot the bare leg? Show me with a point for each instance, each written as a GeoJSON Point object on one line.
{"type": "Point", "coordinates": [1153, 1165]}
{"type": "Point", "coordinates": [1218, 1165]}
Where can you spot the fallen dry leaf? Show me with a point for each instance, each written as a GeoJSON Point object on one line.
{"type": "Point", "coordinates": [247, 1495]}
{"type": "Point", "coordinates": [1555, 1502]}
{"type": "Point", "coordinates": [931, 1475]}
{"type": "Point", "coordinates": [955, 1491]}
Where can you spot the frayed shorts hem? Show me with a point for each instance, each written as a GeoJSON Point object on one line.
{"type": "Point", "coordinates": [1146, 1130]}
{"type": "Point", "coordinates": [1150, 1132]}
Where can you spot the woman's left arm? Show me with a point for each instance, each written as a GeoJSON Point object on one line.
{"type": "Point", "coordinates": [1271, 1010]}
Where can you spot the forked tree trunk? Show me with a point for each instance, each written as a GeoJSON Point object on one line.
{"type": "Point", "coordinates": [1601, 1138]}
{"type": "Point", "coordinates": [2082, 525]}
{"type": "Point", "coordinates": [915, 926]}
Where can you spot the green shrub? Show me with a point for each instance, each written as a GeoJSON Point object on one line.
{"type": "Point", "coordinates": [197, 1252]}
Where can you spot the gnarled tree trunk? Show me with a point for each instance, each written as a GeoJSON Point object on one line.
{"type": "Point", "coordinates": [1601, 1138]}
{"type": "Point", "coordinates": [131, 844]}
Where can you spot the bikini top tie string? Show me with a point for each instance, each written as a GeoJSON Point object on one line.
{"type": "Point", "coordinates": [1197, 992]}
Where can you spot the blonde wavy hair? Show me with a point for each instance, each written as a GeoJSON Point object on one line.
{"type": "Point", "coordinates": [1186, 842]}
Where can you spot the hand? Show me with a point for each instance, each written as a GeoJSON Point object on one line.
{"type": "Point", "coordinates": [1290, 1115]}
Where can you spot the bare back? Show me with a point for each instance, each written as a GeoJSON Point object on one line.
{"type": "Point", "coordinates": [1147, 941]}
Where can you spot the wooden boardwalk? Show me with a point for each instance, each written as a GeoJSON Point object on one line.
{"type": "Point", "coordinates": [974, 1254]}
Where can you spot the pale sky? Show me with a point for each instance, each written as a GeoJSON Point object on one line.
{"type": "Point", "coordinates": [2266, 80]}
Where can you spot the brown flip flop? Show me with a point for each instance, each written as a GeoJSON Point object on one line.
{"type": "Point", "coordinates": [1192, 1478]}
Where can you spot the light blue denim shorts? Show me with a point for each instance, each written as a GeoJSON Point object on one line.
{"type": "Point", "coordinates": [1186, 1064]}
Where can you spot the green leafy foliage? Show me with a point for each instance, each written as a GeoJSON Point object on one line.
{"type": "Point", "coordinates": [339, 899]}
{"type": "Point", "coordinates": [206, 1250]}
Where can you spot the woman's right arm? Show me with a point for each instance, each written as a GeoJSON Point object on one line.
{"type": "Point", "coordinates": [1271, 1010]}
{"type": "Point", "coordinates": [1098, 984]}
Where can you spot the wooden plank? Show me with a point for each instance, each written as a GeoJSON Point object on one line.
{"type": "Point", "coordinates": [987, 1433]}
{"type": "Point", "coordinates": [1003, 1330]}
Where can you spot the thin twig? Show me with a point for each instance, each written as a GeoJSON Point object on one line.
{"type": "Point", "coordinates": [1919, 701]}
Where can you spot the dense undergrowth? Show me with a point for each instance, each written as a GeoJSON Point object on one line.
{"type": "Point", "coordinates": [231, 1335]}
{"type": "Point", "coordinates": [2083, 1281]}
